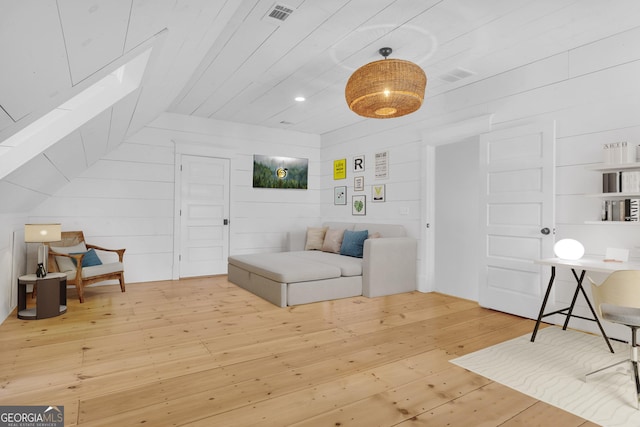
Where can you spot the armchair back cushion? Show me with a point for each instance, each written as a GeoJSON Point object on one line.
{"type": "Point", "coordinates": [65, 263]}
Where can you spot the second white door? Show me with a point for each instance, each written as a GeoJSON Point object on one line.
{"type": "Point", "coordinates": [517, 194]}
{"type": "Point", "coordinates": [204, 216]}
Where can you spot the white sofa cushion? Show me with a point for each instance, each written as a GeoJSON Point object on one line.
{"type": "Point", "coordinates": [349, 266]}
{"type": "Point", "coordinates": [384, 230]}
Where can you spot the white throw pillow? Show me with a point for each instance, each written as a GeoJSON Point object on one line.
{"type": "Point", "coordinates": [64, 263]}
{"type": "Point", "coordinates": [332, 240]}
{"type": "Point", "coordinates": [315, 238]}
{"type": "Point", "coordinates": [80, 247]}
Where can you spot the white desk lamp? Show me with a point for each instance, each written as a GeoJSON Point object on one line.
{"type": "Point", "coordinates": [568, 249]}
{"type": "Point", "coordinates": [42, 233]}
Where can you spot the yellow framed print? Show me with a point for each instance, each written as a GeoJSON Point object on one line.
{"type": "Point", "coordinates": [340, 169]}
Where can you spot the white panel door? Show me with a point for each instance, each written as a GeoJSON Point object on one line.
{"type": "Point", "coordinates": [517, 194]}
{"type": "Point", "coordinates": [204, 213]}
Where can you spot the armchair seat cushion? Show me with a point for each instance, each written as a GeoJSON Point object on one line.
{"type": "Point", "coordinates": [97, 270]}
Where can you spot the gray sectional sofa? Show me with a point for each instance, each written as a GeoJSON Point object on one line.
{"type": "Point", "coordinates": [298, 276]}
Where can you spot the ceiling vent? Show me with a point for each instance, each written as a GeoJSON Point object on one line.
{"type": "Point", "coordinates": [279, 12]}
{"type": "Point", "coordinates": [456, 74]}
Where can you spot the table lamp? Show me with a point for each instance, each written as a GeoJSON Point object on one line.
{"type": "Point", "coordinates": [568, 249]}
{"type": "Point", "coordinates": [42, 233]}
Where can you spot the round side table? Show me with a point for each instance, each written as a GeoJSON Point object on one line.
{"type": "Point", "coordinates": [51, 299]}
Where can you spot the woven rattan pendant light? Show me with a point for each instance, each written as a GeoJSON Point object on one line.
{"type": "Point", "coordinates": [387, 88]}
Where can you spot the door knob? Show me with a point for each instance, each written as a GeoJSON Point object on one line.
{"type": "Point", "coordinates": [545, 231]}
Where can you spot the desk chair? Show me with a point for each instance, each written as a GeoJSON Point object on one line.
{"type": "Point", "coordinates": [617, 300]}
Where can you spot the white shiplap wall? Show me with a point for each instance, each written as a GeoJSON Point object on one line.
{"type": "Point", "coordinates": [127, 198]}
{"type": "Point", "coordinates": [12, 260]}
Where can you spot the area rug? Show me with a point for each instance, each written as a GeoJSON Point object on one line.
{"type": "Point", "coordinates": [552, 370]}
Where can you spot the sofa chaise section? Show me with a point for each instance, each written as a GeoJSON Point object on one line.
{"type": "Point", "coordinates": [292, 278]}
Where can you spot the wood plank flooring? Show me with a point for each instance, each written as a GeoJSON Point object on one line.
{"type": "Point", "coordinates": [203, 352]}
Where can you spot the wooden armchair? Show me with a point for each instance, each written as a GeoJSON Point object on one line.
{"type": "Point", "coordinates": [73, 246]}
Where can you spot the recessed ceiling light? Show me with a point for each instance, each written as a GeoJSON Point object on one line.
{"type": "Point", "coordinates": [300, 98]}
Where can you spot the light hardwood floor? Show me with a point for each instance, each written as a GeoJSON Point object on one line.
{"type": "Point", "coordinates": [202, 352]}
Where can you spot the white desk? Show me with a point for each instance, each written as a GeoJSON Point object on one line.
{"type": "Point", "coordinates": [584, 264]}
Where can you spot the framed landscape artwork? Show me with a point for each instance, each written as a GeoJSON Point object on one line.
{"type": "Point", "coordinates": [280, 172]}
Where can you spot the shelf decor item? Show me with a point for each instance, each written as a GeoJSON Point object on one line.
{"type": "Point", "coordinates": [359, 205]}
{"type": "Point", "coordinates": [619, 153]}
{"type": "Point", "coordinates": [386, 88]}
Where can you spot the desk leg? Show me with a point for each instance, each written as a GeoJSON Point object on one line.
{"type": "Point", "coordinates": [575, 296]}
{"type": "Point", "coordinates": [544, 303]}
{"type": "Point", "coordinates": [595, 317]}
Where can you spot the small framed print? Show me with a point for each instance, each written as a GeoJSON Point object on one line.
{"type": "Point", "coordinates": [358, 183]}
{"type": "Point", "coordinates": [359, 205]}
{"type": "Point", "coordinates": [358, 164]}
{"type": "Point", "coordinates": [340, 195]}
{"type": "Point", "coordinates": [377, 193]}
{"type": "Point", "coordinates": [382, 165]}
{"type": "Point", "coordinates": [340, 169]}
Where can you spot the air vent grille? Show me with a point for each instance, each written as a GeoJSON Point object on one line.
{"type": "Point", "coordinates": [280, 12]}
{"type": "Point", "coordinates": [456, 74]}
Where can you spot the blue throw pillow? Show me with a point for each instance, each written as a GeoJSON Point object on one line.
{"type": "Point", "coordinates": [353, 243]}
{"type": "Point", "coordinates": [89, 260]}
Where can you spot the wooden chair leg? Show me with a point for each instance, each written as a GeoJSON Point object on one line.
{"type": "Point", "coordinates": [80, 290]}
{"type": "Point", "coordinates": [121, 279]}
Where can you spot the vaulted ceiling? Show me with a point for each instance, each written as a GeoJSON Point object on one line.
{"type": "Point", "coordinates": [230, 60]}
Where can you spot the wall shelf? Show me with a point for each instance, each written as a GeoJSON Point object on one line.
{"type": "Point", "coordinates": [613, 166]}
{"type": "Point", "coordinates": [615, 195]}
{"type": "Point", "coordinates": [620, 175]}
{"type": "Point", "coordinates": [622, 223]}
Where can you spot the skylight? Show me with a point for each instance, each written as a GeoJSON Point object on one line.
{"type": "Point", "coordinates": [68, 117]}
